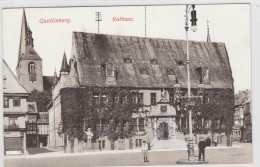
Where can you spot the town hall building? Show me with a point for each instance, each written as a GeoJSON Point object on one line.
{"type": "Point", "coordinates": [155, 68]}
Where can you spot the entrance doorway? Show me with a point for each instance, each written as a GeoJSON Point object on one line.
{"type": "Point", "coordinates": [163, 131]}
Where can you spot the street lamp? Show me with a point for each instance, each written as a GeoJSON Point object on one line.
{"type": "Point", "coordinates": [193, 20]}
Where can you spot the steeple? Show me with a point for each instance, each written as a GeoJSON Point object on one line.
{"type": "Point", "coordinates": [208, 36]}
{"type": "Point", "coordinates": [55, 78]}
{"type": "Point", "coordinates": [64, 65]}
{"type": "Point", "coordinates": [29, 64]}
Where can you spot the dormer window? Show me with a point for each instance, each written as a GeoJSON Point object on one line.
{"type": "Point", "coordinates": [199, 73]}
{"type": "Point", "coordinates": [110, 70]}
{"type": "Point", "coordinates": [205, 75]}
{"type": "Point", "coordinates": [110, 73]}
{"type": "Point", "coordinates": [154, 62]}
{"type": "Point", "coordinates": [127, 60]}
{"type": "Point", "coordinates": [180, 63]}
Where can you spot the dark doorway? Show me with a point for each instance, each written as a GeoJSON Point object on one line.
{"type": "Point", "coordinates": [163, 132]}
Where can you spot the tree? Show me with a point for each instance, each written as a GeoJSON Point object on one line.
{"type": "Point", "coordinates": [42, 99]}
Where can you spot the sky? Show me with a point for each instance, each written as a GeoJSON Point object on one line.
{"type": "Point", "coordinates": [229, 23]}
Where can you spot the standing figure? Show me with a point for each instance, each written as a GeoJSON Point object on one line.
{"type": "Point", "coordinates": [145, 151]}
{"type": "Point", "coordinates": [202, 146]}
{"type": "Point", "coordinates": [149, 144]}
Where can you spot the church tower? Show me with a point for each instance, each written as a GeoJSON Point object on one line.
{"type": "Point", "coordinates": [29, 65]}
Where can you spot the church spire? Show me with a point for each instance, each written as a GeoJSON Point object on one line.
{"type": "Point", "coordinates": [55, 78]}
{"type": "Point", "coordinates": [26, 42]}
{"type": "Point", "coordinates": [64, 65]}
{"type": "Point", "coordinates": [208, 36]}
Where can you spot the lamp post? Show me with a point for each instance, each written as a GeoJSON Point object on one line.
{"type": "Point", "coordinates": [193, 20]}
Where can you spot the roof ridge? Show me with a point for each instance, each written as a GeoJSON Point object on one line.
{"type": "Point", "coordinates": [155, 38]}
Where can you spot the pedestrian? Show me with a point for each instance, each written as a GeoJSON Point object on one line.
{"type": "Point", "coordinates": [149, 144]}
{"type": "Point", "coordinates": [202, 146]}
{"type": "Point", "coordinates": [214, 142]}
{"type": "Point", "coordinates": [208, 143]}
{"type": "Point", "coordinates": [145, 151]}
{"type": "Point", "coordinates": [188, 147]}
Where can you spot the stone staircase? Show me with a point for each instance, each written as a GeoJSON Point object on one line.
{"type": "Point", "coordinates": [169, 144]}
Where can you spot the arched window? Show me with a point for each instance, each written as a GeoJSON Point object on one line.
{"type": "Point", "coordinates": [32, 68]}
{"type": "Point", "coordinates": [32, 72]}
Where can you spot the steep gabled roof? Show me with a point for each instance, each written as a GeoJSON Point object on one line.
{"type": "Point", "coordinates": [26, 52]}
{"type": "Point", "coordinates": [93, 50]}
{"type": "Point", "coordinates": [12, 85]}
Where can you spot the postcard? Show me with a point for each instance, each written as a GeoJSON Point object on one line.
{"type": "Point", "coordinates": [127, 85]}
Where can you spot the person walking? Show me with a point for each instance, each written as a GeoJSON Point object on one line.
{"type": "Point", "coordinates": [145, 151]}
{"type": "Point", "coordinates": [202, 146]}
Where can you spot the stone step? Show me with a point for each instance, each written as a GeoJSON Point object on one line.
{"type": "Point", "coordinates": [169, 144]}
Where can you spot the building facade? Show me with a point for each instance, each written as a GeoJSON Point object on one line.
{"type": "Point", "coordinates": [14, 113]}
{"type": "Point", "coordinates": [150, 66]}
{"type": "Point", "coordinates": [30, 76]}
{"type": "Point", "coordinates": [242, 130]}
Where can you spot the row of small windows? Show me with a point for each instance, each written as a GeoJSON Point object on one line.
{"type": "Point", "coordinates": [203, 73]}
{"type": "Point", "coordinates": [102, 98]}
{"type": "Point", "coordinates": [138, 123]}
{"type": "Point", "coordinates": [153, 61]}
{"type": "Point", "coordinates": [139, 98]}
{"type": "Point", "coordinates": [16, 102]}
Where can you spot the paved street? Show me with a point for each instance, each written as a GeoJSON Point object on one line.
{"type": "Point", "coordinates": [239, 155]}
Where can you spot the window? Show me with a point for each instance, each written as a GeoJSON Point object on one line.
{"type": "Point", "coordinates": [16, 102]}
{"type": "Point", "coordinates": [127, 60]}
{"type": "Point", "coordinates": [141, 124]}
{"type": "Point", "coordinates": [138, 142]}
{"type": "Point", "coordinates": [140, 98]}
{"type": "Point", "coordinates": [135, 124]}
{"type": "Point", "coordinates": [205, 75]}
{"type": "Point", "coordinates": [138, 124]}
{"type": "Point", "coordinates": [96, 99]}
{"type": "Point", "coordinates": [32, 74]}
{"type": "Point", "coordinates": [110, 69]}
{"type": "Point", "coordinates": [31, 68]}
{"type": "Point", "coordinates": [103, 144]}
{"type": "Point", "coordinates": [154, 62]}
{"type": "Point", "coordinates": [133, 99]}
{"type": "Point", "coordinates": [180, 63]}
{"type": "Point", "coordinates": [123, 99]}
{"type": "Point", "coordinates": [116, 98]}
{"type": "Point", "coordinates": [6, 102]}
{"type": "Point", "coordinates": [12, 121]}
{"type": "Point", "coordinates": [171, 97]}
{"type": "Point", "coordinates": [104, 98]}
{"type": "Point", "coordinates": [31, 129]}
{"type": "Point", "coordinates": [153, 98]}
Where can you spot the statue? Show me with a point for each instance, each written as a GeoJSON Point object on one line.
{"type": "Point", "coordinates": [89, 135]}
{"type": "Point", "coordinates": [163, 94]}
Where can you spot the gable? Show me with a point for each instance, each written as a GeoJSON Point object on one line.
{"type": "Point", "coordinates": [11, 84]}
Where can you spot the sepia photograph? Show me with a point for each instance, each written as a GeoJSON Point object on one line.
{"type": "Point", "coordinates": [144, 85]}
